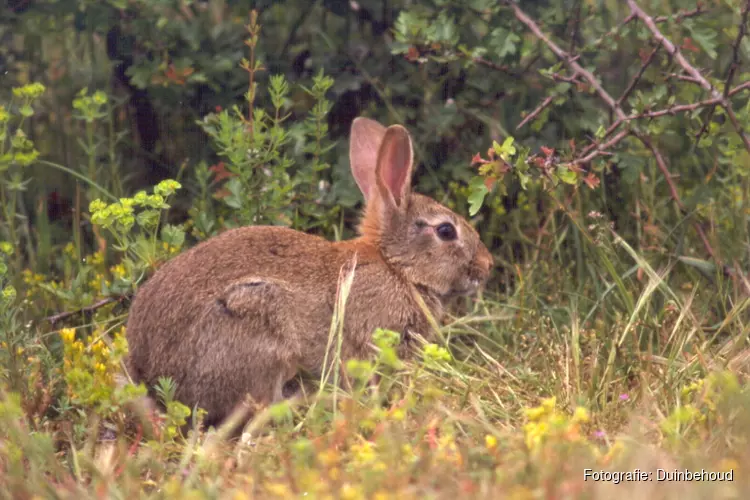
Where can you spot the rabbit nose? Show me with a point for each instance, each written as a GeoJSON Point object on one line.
{"type": "Point", "coordinates": [484, 259]}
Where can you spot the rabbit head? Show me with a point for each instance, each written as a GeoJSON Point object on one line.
{"type": "Point", "coordinates": [430, 245]}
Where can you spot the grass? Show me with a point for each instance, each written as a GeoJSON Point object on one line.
{"type": "Point", "coordinates": [529, 395]}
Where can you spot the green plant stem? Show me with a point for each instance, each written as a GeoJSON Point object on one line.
{"type": "Point", "coordinates": [80, 177]}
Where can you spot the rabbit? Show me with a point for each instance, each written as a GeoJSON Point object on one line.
{"type": "Point", "coordinates": [247, 310]}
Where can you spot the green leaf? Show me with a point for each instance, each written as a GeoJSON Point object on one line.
{"type": "Point", "coordinates": [173, 235]}
{"type": "Point", "coordinates": [504, 42]}
{"type": "Point", "coordinates": [26, 111]}
{"type": "Point", "coordinates": [506, 150]}
{"type": "Point", "coordinates": [148, 219]}
{"type": "Point", "coordinates": [566, 175]}
{"type": "Point", "coordinates": [234, 200]}
{"type": "Point", "coordinates": [704, 266]}
{"type": "Point", "coordinates": [477, 192]}
{"type": "Point", "coordinates": [706, 39]}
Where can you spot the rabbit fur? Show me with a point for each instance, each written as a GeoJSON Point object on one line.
{"type": "Point", "coordinates": [245, 311]}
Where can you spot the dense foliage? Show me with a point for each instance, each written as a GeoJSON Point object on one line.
{"type": "Point", "coordinates": [601, 148]}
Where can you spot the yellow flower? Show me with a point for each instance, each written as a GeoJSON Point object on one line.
{"type": "Point", "coordinates": [727, 464]}
{"type": "Point", "coordinates": [535, 432]}
{"type": "Point", "coordinates": [549, 403]}
{"type": "Point", "coordinates": [349, 492]}
{"type": "Point", "coordinates": [398, 414]}
{"type": "Point", "coordinates": [364, 453]}
{"type": "Point", "coordinates": [534, 413]}
{"type": "Point", "coordinates": [581, 415]}
{"type": "Point", "coordinates": [613, 452]}
{"type": "Point", "coordinates": [520, 493]}
{"type": "Point", "coordinates": [334, 473]}
{"type": "Point", "coordinates": [67, 335]}
{"type": "Point", "coordinates": [119, 271]}
{"type": "Point", "coordinates": [279, 490]}
{"type": "Point", "coordinates": [490, 442]}
{"type": "Point", "coordinates": [328, 457]}
{"type": "Point", "coordinates": [97, 258]}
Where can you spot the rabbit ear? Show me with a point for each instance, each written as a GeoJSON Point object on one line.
{"type": "Point", "coordinates": [364, 143]}
{"type": "Point", "coordinates": [395, 161]}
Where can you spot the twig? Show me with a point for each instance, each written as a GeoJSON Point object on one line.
{"type": "Point", "coordinates": [637, 76]}
{"type": "Point", "coordinates": [665, 171]}
{"type": "Point", "coordinates": [499, 67]}
{"type": "Point", "coordinates": [700, 9]}
{"type": "Point", "coordinates": [690, 69]}
{"type": "Point", "coordinates": [569, 61]}
{"type": "Point", "coordinates": [86, 310]}
{"type": "Point", "coordinates": [611, 33]}
{"type": "Point", "coordinates": [600, 149]}
{"type": "Point", "coordinates": [739, 88]}
{"type": "Point", "coordinates": [562, 78]}
{"type": "Point", "coordinates": [672, 110]}
{"type": "Point", "coordinates": [661, 19]}
{"type": "Point", "coordinates": [615, 107]}
{"type": "Point", "coordinates": [662, 165]}
{"type": "Point", "coordinates": [684, 78]}
{"type": "Point", "coordinates": [594, 149]}
{"type": "Point", "coordinates": [575, 23]}
{"type": "Point", "coordinates": [536, 112]}
{"type": "Point", "coordinates": [733, 66]}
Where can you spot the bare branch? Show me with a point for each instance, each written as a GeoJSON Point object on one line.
{"type": "Point", "coordinates": [499, 67]}
{"type": "Point", "coordinates": [684, 78]}
{"type": "Point", "coordinates": [662, 165]}
{"type": "Point", "coordinates": [577, 69]}
{"type": "Point", "coordinates": [690, 69]}
{"type": "Point", "coordinates": [685, 14]}
{"type": "Point", "coordinates": [599, 150]}
{"type": "Point", "coordinates": [536, 112]}
{"type": "Point", "coordinates": [637, 76]}
{"type": "Point", "coordinates": [735, 64]}
{"type": "Point", "coordinates": [672, 110]}
{"type": "Point", "coordinates": [569, 60]}
{"type": "Point", "coordinates": [86, 310]}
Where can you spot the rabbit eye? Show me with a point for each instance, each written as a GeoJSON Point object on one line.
{"type": "Point", "coordinates": [446, 231]}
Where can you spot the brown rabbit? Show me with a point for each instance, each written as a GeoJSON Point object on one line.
{"type": "Point", "coordinates": [245, 311]}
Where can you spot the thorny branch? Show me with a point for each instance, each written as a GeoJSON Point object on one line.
{"type": "Point", "coordinates": [677, 18]}
{"type": "Point", "coordinates": [535, 113]}
{"type": "Point", "coordinates": [733, 67]}
{"type": "Point", "coordinates": [599, 147]}
{"type": "Point", "coordinates": [690, 69]}
{"type": "Point", "coordinates": [684, 14]}
{"type": "Point", "coordinates": [498, 67]}
{"type": "Point", "coordinates": [637, 78]}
